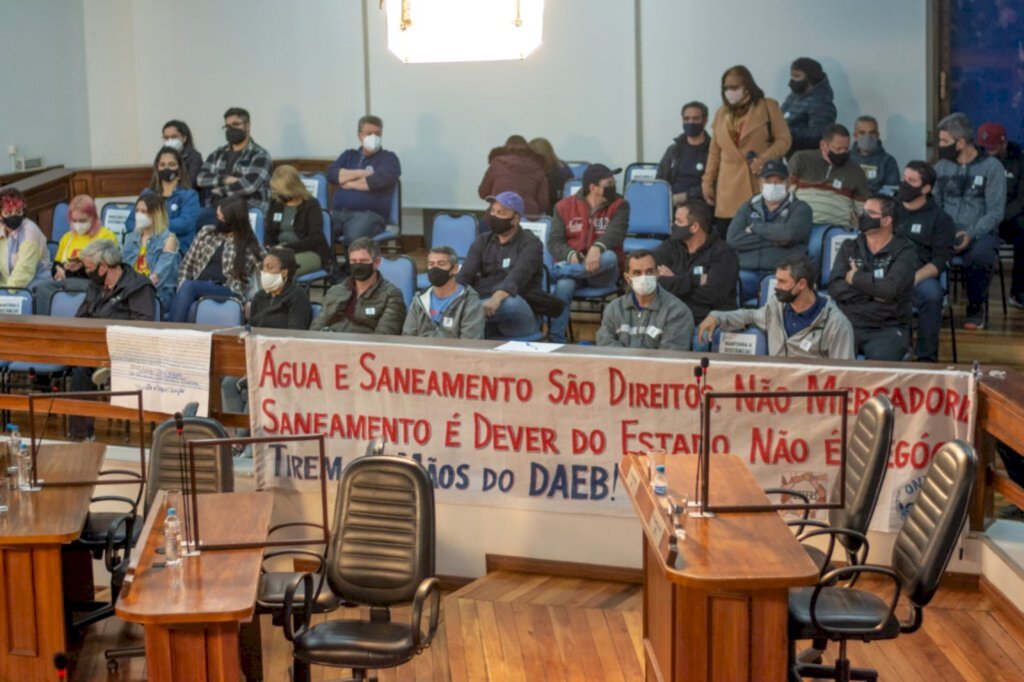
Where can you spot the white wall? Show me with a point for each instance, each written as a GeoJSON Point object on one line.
{"type": "Point", "coordinates": [874, 52]}
{"type": "Point", "coordinates": [43, 106]}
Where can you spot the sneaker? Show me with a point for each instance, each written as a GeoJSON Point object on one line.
{"type": "Point", "coordinates": [1017, 300]}
{"type": "Point", "coordinates": [975, 318]}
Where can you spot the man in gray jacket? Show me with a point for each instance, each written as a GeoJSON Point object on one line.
{"type": "Point", "coordinates": [971, 188]}
{"type": "Point", "coordinates": [799, 322]}
{"type": "Point", "coordinates": [447, 309]}
{"type": "Point", "coordinates": [647, 316]}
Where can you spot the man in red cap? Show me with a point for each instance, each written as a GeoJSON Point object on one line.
{"type": "Point", "coordinates": [992, 137]}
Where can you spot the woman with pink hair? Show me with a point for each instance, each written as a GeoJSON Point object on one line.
{"type": "Point", "coordinates": [68, 273]}
{"type": "Point", "coordinates": [23, 255]}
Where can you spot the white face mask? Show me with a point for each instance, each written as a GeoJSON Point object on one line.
{"type": "Point", "coordinates": [644, 285]}
{"type": "Point", "coordinates": [271, 282]}
{"type": "Point", "coordinates": [735, 96]}
{"type": "Point", "coordinates": [174, 143]}
{"type": "Point", "coordinates": [81, 226]}
{"type": "Point", "coordinates": [142, 220]}
{"type": "Point", "coordinates": [773, 192]}
{"type": "Point", "coordinates": [371, 143]}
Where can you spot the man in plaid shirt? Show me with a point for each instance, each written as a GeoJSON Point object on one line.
{"type": "Point", "coordinates": [239, 168]}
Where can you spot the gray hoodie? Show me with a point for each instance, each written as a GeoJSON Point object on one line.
{"type": "Point", "coordinates": [973, 195]}
{"type": "Point", "coordinates": [830, 335]}
{"type": "Point", "coordinates": [462, 319]}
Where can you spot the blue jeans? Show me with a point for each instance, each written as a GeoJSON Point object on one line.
{"type": "Point", "coordinates": [750, 284]}
{"type": "Point", "coordinates": [348, 226]}
{"type": "Point", "coordinates": [514, 319]}
{"type": "Point", "coordinates": [928, 304]}
{"type": "Point", "coordinates": [979, 261]}
{"type": "Point", "coordinates": [569, 276]}
{"type": "Point", "coordinates": [190, 291]}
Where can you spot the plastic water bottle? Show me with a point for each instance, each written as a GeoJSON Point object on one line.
{"type": "Point", "coordinates": [172, 538]}
{"type": "Point", "coordinates": [24, 467]}
{"type": "Point", "coordinates": [659, 482]}
{"type": "Point", "coordinates": [14, 437]}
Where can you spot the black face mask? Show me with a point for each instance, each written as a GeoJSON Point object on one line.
{"type": "Point", "coordinates": [867, 223]}
{"type": "Point", "coordinates": [14, 221]}
{"type": "Point", "coordinates": [609, 193]}
{"type": "Point", "coordinates": [234, 135]}
{"type": "Point", "coordinates": [361, 271]}
{"type": "Point", "coordinates": [438, 277]}
{"type": "Point", "coordinates": [682, 232]}
{"type": "Point", "coordinates": [95, 277]}
{"type": "Point", "coordinates": [693, 129]}
{"type": "Point", "coordinates": [908, 192]}
{"type": "Point", "coordinates": [500, 225]}
{"type": "Point", "coordinates": [839, 159]}
{"type": "Point", "coordinates": [948, 152]}
{"type": "Point", "coordinates": [798, 88]}
{"type": "Point", "coordinates": [785, 295]}
{"type": "Point", "coordinates": [167, 174]}
{"type": "Point", "coordinates": [222, 226]}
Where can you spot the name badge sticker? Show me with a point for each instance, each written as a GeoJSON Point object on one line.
{"type": "Point", "coordinates": [447, 322]}
{"type": "Point", "coordinates": [506, 262]}
{"type": "Point", "coordinates": [915, 228]}
{"type": "Point", "coordinates": [805, 345]}
{"type": "Point", "coordinates": [370, 311]}
{"type": "Point", "coordinates": [879, 273]}
{"type": "Point", "coordinates": [979, 180]}
{"type": "Point", "coordinates": [698, 270]}
{"type": "Point", "coordinates": [277, 217]}
{"type": "Point", "coordinates": [837, 183]}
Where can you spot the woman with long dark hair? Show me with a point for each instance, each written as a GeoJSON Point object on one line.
{"type": "Point", "coordinates": [171, 183]}
{"type": "Point", "coordinates": [221, 261]}
{"type": "Point", "coordinates": [178, 136]}
{"type": "Point", "coordinates": [748, 130]}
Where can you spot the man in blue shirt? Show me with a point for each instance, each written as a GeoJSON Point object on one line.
{"type": "Point", "coordinates": [447, 309]}
{"type": "Point", "coordinates": [366, 179]}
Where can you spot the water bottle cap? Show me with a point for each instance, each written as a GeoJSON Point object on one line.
{"type": "Point", "coordinates": [660, 468]}
{"type": "Point", "coordinates": [171, 511]}
{"type": "Point", "coordinates": [11, 427]}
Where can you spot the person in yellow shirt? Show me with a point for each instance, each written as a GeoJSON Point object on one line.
{"type": "Point", "coordinates": [68, 272]}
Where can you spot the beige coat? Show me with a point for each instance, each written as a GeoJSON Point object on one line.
{"type": "Point", "coordinates": [728, 179]}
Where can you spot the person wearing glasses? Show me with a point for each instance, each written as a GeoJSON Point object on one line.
{"type": "Point", "coordinates": [241, 168]}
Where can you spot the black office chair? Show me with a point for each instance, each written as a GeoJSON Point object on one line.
{"type": "Point", "coordinates": [215, 473]}
{"type": "Point", "coordinates": [919, 557]}
{"type": "Point", "coordinates": [381, 554]}
{"type": "Point", "coordinates": [867, 456]}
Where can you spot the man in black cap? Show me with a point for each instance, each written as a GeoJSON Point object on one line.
{"type": "Point", "coordinates": [772, 227]}
{"type": "Point", "coordinates": [587, 231]}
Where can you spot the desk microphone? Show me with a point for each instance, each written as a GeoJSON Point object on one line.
{"type": "Point", "coordinates": [179, 426]}
{"type": "Point", "coordinates": [60, 663]}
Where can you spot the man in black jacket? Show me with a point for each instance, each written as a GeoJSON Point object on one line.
{"type": "Point", "coordinates": [872, 280]}
{"type": "Point", "coordinates": [115, 292]}
{"type": "Point", "coordinates": [696, 264]}
{"type": "Point", "coordinates": [504, 266]}
{"type": "Point", "coordinates": [992, 137]}
{"type": "Point", "coordinates": [933, 233]}
{"type": "Point", "coordinates": [682, 165]}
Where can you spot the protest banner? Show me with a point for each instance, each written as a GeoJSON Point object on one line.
{"type": "Point", "coordinates": [545, 431]}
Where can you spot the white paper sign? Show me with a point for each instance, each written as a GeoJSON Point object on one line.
{"type": "Point", "coordinates": [738, 343]}
{"type": "Point", "coordinates": [643, 174]}
{"type": "Point", "coordinates": [11, 305]}
{"type": "Point", "coordinates": [170, 366]}
{"type": "Point", "coordinates": [538, 227]}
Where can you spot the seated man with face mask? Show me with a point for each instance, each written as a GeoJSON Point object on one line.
{"type": "Point", "coordinates": [365, 302]}
{"type": "Point", "coordinates": [774, 225]}
{"type": "Point", "coordinates": [647, 316]}
{"type": "Point", "coordinates": [505, 267]}
{"type": "Point", "coordinates": [872, 282]}
{"type": "Point", "coordinates": [447, 309]}
{"type": "Point", "coordinates": [799, 322]}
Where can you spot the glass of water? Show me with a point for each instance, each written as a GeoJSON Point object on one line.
{"type": "Point", "coordinates": [25, 471]}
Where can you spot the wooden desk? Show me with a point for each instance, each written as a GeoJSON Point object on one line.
{"type": "Point", "coordinates": [716, 609]}
{"type": "Point", "coordinates": [192, 613]}
{"type": "Point", "coordinates": [32, 624]}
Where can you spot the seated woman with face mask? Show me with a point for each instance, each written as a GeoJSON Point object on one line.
{"type": "Point", "coordinates": [151, 249]}
{"type": "Point", "coordinates": [68, 273]}
{"type": "Point", "coordinates": [280, 303]}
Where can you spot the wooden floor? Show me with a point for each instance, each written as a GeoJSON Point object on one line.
{"type": "Point", "coordinates": [520, 626]}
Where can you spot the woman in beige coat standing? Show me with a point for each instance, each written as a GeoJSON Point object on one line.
{"type": "Point", "coordinates": [747, 131]}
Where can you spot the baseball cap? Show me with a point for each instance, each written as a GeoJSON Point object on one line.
{"type": "Point", "coordinates": [596, 172]}
{"type": "Point", "coordinates": [509, 200]}
{"type": "Point", "coordinates": [990, 136]}
{"type": "Point", "coordinates": [774, 167]}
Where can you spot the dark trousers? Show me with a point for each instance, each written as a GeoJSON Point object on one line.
{"type": "Point", "coordinates": [979, 261]}
{"type": "Point", "coordinates": [927, 298]}
{"type": "Point", "coordinates": [722, 225]}
{"type": "Point", "coordinates": [887, 343]}
{"type": "Point", "coordinates": [81, 380]}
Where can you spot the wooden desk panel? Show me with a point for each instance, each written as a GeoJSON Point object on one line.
{"type": "Point", "coordinates": [716, 607]}
{"type": "Point", "coordinates": [32, 624]}
{"type": "Point", "coordinates": [192, 613]}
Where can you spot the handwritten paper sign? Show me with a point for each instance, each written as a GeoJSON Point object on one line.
{"type": "Point", "coordinates": [738, 343]}
{"type": "Point", "coordinates": [11, 305]}
{"type": "Point", "coordinates": [170, 366]}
